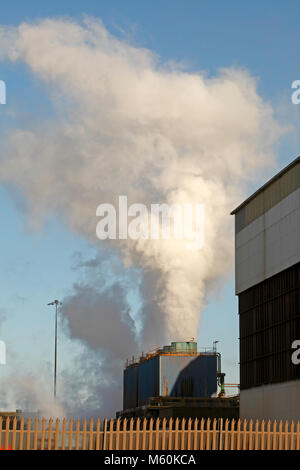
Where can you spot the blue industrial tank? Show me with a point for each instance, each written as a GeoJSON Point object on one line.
{"type": "Point", "coordinates": [177, 370]}
{"type": "Point", "coordinates": [130, 387]}
{"type": "Point", "coordinates": [188, 376]}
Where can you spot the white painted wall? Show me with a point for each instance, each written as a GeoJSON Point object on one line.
{"type": "Point", "coordinates": [274, 401]}
{"type": "Point", "coordinates": [269, 244]}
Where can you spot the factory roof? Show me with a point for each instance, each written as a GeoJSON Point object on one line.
{"type": "Point", "coordinates": [268, 183]}
{"type": "Point", "coordinates": [186, 348]}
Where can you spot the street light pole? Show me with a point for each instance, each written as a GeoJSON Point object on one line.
{"type": "Point", "coordinates": [56, 303]}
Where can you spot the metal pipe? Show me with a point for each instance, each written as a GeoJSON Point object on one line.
{"type": "Point", "coordinates": [56, 303]}
{"type": "Point", "coordinates": [55, 353]}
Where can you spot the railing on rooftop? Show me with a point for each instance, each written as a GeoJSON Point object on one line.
{"type": "Point", "coordinates": [163, 350]}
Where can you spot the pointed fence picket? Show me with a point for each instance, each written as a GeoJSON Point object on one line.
{"type": "Point", "coordinates": [148, 434]}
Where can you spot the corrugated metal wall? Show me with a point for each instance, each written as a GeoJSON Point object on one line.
{"type": "Point", "coordinates": [269, 323]}
{"type": "Point", "coordinates": [268, 198]}
{"type": "Point", "coordinates": [148, 383]}
{"type": "Point", "coordinates": [130, 387]}
{"type": "Point", "coordinates": [173, 375]}
{"type": "Point", "coordinates": [188, 376]}
{"type": "Point", "coordinates": [269, 244]}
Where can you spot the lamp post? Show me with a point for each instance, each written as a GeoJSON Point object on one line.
{"type": "Point", "coordinates": [56, 303]}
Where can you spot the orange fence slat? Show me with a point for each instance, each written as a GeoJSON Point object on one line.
{"type": "Point", "coordinates": [158, 434]}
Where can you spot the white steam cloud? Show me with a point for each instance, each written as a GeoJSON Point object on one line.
{"type": "Point", "coordinates": [127, 124]}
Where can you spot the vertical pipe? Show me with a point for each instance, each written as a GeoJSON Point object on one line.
{"type": "Point", "coordinates": [55, 353]}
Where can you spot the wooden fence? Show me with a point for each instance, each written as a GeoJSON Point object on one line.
{"type": "Point", "coordinates": [149, 434]}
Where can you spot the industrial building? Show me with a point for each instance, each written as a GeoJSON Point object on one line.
{"type": "Point", "coordinates": [176, 381]}
{"type": "Point", "coordinates": [267, 278]}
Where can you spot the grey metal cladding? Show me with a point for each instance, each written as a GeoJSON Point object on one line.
{"type": "Point", "coordinates": [240, 220]}
{"type": "Point", "coordinates": [281, 186]}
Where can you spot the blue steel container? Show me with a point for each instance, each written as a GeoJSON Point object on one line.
{"type": "Point", "coordinates": [148, 383]}
{"type": "Point", "coordinates": [188, 376]}
{"type": "Point", "coordinates": [175, 371]}
{"type": "Point", "coordinates": [130, 387]}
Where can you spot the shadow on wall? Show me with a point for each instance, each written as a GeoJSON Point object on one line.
{"type": "Point", "coordinates": [197, 379]}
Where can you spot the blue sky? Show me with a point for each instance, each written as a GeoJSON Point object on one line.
{"type": "Point", "coordinates": [37, 267]}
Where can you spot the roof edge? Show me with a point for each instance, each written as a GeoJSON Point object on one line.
{"type": "Point", "coordinates": [270, 181]}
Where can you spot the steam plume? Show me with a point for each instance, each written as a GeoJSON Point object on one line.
{"type": "Point", "coordinates": [127, 124]}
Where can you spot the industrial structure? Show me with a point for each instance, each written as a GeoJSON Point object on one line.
{"type": "Point", "coordinates": [267, 277]}
{"type": "Point", "coordinates": [176, 381]}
